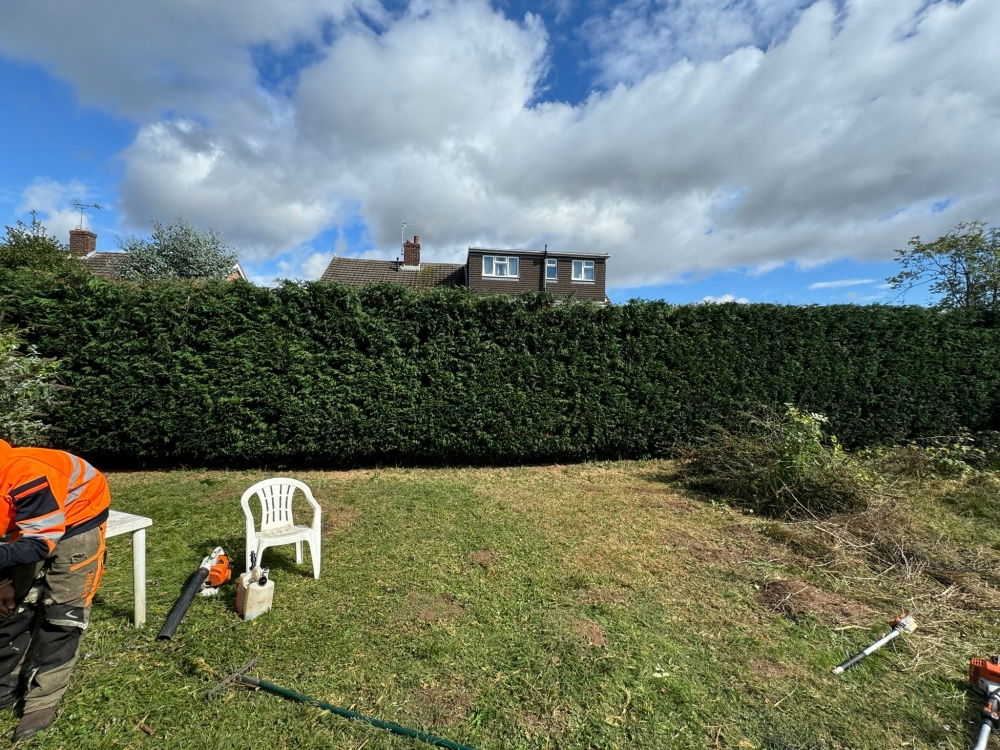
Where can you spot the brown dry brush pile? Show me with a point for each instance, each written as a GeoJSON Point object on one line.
{"type": "Point", "coordinates": [881, 538]}
{"type": "Point", "coordinates": [848, 513]}
{"type": "Point", "coordinates": [779, 465]}
{"type": "Point", "coordinates": [958, 471]}
{"type": "Point", "coordinates": [884, 543]}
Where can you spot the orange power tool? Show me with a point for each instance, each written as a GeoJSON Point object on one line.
{"type": "Point", "coordinates": [984, 677]}
{"type": "Point", "coordinates": [214, 571]}
{"type": "Point", "coordinates": [220, 571]}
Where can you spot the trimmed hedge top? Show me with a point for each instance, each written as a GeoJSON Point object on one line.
{"type": "Point", "coordinates": [321, 374]}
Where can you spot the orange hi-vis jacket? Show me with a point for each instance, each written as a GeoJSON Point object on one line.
{"type": "Point", "coordinates": [46, 496]}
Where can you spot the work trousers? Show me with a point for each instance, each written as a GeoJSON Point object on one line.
{"type": "Point", "coordinates": [40, 640]}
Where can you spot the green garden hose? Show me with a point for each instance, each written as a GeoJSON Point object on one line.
{"type": "Point", "coordinates": [394, 728]}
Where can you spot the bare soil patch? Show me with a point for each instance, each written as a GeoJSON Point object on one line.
{"type": "Point", "coordinates": [441, 706]}
{"type": "Point", "coordinates": [798, 599]}
{"type": "Point", "coordinates": [484, 558]}
{"type": "Point", "coordinates": [802, 541]}
{"type": "Point", "coordinates": [591, 632]}
{"type": "Point", "coordinates": [740, 532]}
{"type": "Point", "coordinates": [431, 607]}
{"type": "Point", "coordinates": [553, 724]}
{"type": "Point", "coordinates": [337, 518]}
{"type": "Point", "coordinates": [768, 668]}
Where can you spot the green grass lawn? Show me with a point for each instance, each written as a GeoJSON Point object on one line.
{"type": "Point", "coordinates": [588, 606]}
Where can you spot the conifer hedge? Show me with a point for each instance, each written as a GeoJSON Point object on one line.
{"type": "Point", "coordinates": [228, 374]}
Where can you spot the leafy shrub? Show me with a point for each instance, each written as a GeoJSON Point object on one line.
{"type": "Point", "coordinates": [28, 391]}
{"type": "Point", "coordinates": [939, 457]}
{"type": "Point", "coordinates": [779, 465]}
{"type": "Point", "coordinates": [31, 246]}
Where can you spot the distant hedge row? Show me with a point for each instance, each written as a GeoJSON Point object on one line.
{"type": "Point", "coordinates": [320, 374]}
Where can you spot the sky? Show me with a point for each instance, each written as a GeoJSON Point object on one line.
{"type": "Point", "coordinates": [747, 150]}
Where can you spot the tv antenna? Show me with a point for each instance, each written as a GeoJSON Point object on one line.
{"type": "Point", "coordinates": [402, 234]}
{"type": "Point", "coordinates": [75, 203]}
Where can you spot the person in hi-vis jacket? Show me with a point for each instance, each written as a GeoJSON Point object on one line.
{"type": "Point", "coordinates": [53, 517]}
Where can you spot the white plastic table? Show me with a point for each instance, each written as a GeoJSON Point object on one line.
{"type": "Point", "coordinates": [126, 523]}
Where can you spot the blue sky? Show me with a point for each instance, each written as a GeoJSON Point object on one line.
{"type": "Point", "coordinates": [772, 151]}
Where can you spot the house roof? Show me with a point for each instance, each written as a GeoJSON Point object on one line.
{"type": "Point", "coordinates": [360, 271]}
{"type": "Point", "coordinates": [549, 253]}
{"type": "Point", "coordinates": [106, 265]}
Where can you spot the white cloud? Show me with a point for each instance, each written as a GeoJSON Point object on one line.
{"type": "Point", "coordinates": [710, 300]}
{"type": "Point", "coordinates": [142, 59]}
{"type": "Point", "coordinates": [840, 283]}
{"type": "Point", "coordinates": [315, 264]}
{"type": "Point", "coordinates": [267, 199]}
{"type": "Point", "coordinates": [51, 199]}
{"type": "Point", "coordinates": [705, 151]}
{"type": "Point", "coordinates": [302, 263]}
{"type": "Point", "coordinates": [637, 37]}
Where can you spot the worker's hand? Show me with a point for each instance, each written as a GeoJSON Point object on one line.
{"type": "Point", "coordinates": [6, 598]}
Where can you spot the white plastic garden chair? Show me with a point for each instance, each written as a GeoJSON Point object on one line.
{"type": "Point", "coordinates": [276, 524]}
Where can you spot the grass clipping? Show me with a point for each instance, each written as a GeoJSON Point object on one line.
{"type": "Point", "coordinates": [779, 465]}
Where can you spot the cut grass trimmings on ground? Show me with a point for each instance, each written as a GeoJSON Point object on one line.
{"type": "Point", "coordinates": [596, 625]}
{"type": "Point", "coordinates": [779, 465]}
{"type": "Point", "coordinates": [976, 496]}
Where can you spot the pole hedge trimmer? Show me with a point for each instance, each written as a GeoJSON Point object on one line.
{"type": "Point", "coordinates": [902, 624]}
{"type": "Point", "coordinates": [984, 677]}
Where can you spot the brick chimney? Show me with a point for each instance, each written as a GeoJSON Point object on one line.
{"type": "Point", "coordinates": [411, 253]}
{"type": "Point", "coordinates": [82, 242]}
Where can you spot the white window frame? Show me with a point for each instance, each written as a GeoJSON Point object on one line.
{"type": "Point", "coordinates": [554, 265]}
{"type": "Point", "coordinates": [505, 262]}
{"type": "Point", "coordinates": [584, 265]}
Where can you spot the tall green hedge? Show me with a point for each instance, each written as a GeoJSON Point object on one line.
{"type": "Point", "coordinates": [319, 374]}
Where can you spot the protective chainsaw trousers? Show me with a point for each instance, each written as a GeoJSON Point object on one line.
{"type": "Point", "coordinates": [40, 640]}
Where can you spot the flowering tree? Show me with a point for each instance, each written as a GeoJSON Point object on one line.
{"type": "Point", "coordinates": [177, 251]}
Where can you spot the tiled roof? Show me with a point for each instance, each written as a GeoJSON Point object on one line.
{"type": "Point", "coordinates": [105, 265]}
{"type": "Point", "coordinates": [360, 271]}
{"type": "Point", "coordinates": [539, 253]}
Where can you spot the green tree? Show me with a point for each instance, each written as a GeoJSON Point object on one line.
{"type": "Point", "coordinates": [962, 267]}
{"type": "Point", "coordinates": [32, 246]}
{"type": "Point", "coordinates": [177, 251]}
{"type": "Point", "coordinates": [28, 391]}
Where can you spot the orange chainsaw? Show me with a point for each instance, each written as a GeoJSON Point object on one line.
{"type": "Point", "coordinates": [984, 677]}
